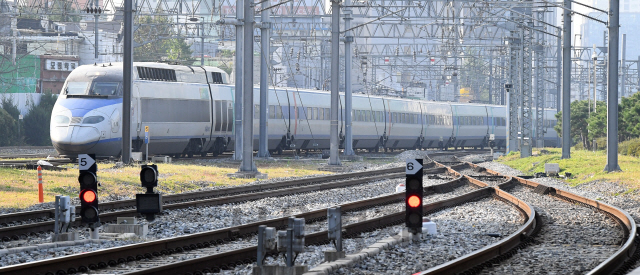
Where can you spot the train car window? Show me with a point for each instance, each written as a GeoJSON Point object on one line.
{"type": "Point", "coordinates": [104, 88]}
{"type": "Point", "coordinates": [76, 88]}
{"type": "Point", "coordinates": [320, 113]}
{"type": "Point", "coordinates": [256, 111]}
{"type": "Point", "coordinates": [139, 70]}
{"type": "Point", "coordinates": [309, 111]}
{"type": "Point", "coordinates": [272, 111]}
{"type": "Point", "coordinates": [315, 113]}
{"type": "Point", "coordinates": [216, 77]}
{"type": "Point", "coordinates": [163, 74]}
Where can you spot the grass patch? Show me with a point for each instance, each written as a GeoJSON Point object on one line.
{"type": "Point", "coordinates": [585, 166]}
{"type": "Point", "coordinates": [19, 187]}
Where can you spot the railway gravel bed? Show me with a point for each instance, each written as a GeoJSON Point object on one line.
{"type": "Point", "coordinates": [573, 239]}
{"type": "Point", "coordinates": [459, 228]}
{"type": "Point", "coordinates": [350, 217]}
{"type": "Point", "coordinates": [178, 222]}
{"type": "Point", "coordinates": [623, 197]}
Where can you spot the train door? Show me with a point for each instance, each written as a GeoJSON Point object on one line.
{"type": "Point", "coordinates": [135, 111]}
{"type": "Point", "coordinates": [223, 116]}
{"type": "Point", "coordinates": [487, 118]}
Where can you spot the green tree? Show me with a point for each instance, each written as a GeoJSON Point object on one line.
{"type": "Point", "coordinates": [8, 128]}
{"type": "Point", "coordinates": [37, 121]}
{"type": "Point", "coordinates": [155, 43]}
{"type": "Point", "coordinates": [629, 117]}
{"type": "Point", "coordinates": [473, 73]}
{"type": "Point", "coordinates": [579, 115]}
{"type": "Point", "coordinates": [7, 105]}
{"type": "Point", "coordinates": [178, 51]}
{"type": "Point", "coordinates": [150, 35]}
{"type": "Point", "coordinates": [598, 122]}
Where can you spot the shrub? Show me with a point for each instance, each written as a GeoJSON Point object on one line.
{"type": "Point", "coordinates": [7, 105]}
{"type": "Point", "coordinates": [630, 147]}
{"type": "Point", "coordinates": [36, 123]}
{"type": "Point", "coordinates": [602, 143]}
{"type": "Point", "coordinates": [8, 128]}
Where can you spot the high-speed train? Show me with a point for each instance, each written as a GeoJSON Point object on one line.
{"type": "Point", "coordinates": [188, 110]}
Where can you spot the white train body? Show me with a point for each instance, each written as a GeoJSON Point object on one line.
{"type": "Point", "coordinates": [189, 110]}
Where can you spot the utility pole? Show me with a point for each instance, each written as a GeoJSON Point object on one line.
{"type": "Point", "coordinates": [539, 81]}
{"type": "Point", "coordinates": [512, 87]}
{"type": "Point", "coordinates": [237, 106]}
{"type": "Point", "coordinates": [265, 61]}
{"type": "Point", "coordinates": [202, 42]}
{"type": "Point", "coordinates": [95, 29]}
{"type": "Point", "coordinates": [526, 142]}
{"type": "Point", "coordinates": [348, 98]}
{"type": "Point", "coordinates": [491, 94]}
{"type": "Point", "coordinates": [558, 78]}
{"type": "Point", "coordinates": [566, 81]}
{"type": "Point", "coordinates": [127, 71]}
{"type": "Point", "coordinates": [335, 79]}
{"type": "Point", "coordinates": [612, 96]}
{"type": "Point", "coordinates": [247, 164]}
{"type": "Point", "coordinates": [623, 67]}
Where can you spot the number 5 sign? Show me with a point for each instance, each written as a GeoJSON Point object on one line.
{"type": "Point", "coordinates": [87, 162]}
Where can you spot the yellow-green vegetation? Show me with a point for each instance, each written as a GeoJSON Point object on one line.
{"type": "Point", "coordinates": [19, 187]}
{"type": "Point", "coordinates": [584, 166]}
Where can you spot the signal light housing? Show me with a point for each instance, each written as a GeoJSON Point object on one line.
{"type": "Point", "coordinates": [149, 203]}
{"type": "Point", "coordinates": [413, 196]}
{"type": "Point", "coordinates": [149, 176]}
{"type": "Point", "coordinates": [89, 197]}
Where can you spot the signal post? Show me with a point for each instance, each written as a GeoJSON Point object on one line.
{"type": "Point", "coordinates": [88, 180]}
{"type": "Point", "coordinates": [413, 197]}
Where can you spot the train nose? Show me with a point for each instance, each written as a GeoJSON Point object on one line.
{"type": "Point", "coordinates": [74, 139]}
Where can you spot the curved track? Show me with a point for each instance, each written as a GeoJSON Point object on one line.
{"type": "Point", "coordinates": [489, 256]}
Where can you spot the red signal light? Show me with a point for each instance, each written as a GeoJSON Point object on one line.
{"type": "Point", "coordinates": [88, 196]}
{"type": "Point", "coordinates": [414, 201]}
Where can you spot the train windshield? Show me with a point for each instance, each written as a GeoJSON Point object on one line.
{"type": "Point", "coordinates": [93, 88]}
{"type": "Point", "coordinates": [77, 88]}
{"type": "Point", "coordinates": [105, 88]}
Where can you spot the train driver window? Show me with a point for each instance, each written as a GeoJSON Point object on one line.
{"type": "Point", "coordinates": [76, 88]}
{"type": "Point", "coordinates": [104, 88]}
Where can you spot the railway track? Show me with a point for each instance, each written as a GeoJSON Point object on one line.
{"type": "Point", "coordinates": [202, 252]}
{"type": "Point", "coordinates": [124, 208]}
{"type": "Point", "coordinates": [491, 258]}
{"type": "Point", "coordinates": [113, 257]}
{"type": "Point", "coordinates": [14, 226]}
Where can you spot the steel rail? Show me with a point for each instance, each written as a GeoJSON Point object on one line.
{"type": "Point", "coordinates": [21, 230]}
{"type": "Point", "coordinates": [113, 256]}
{"type": "Point", "coordinates": [204, 264]}
{"type": "Point", "coordinates": [614, 262]}
{"type": "Point", "coordinates": [49, 213]}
